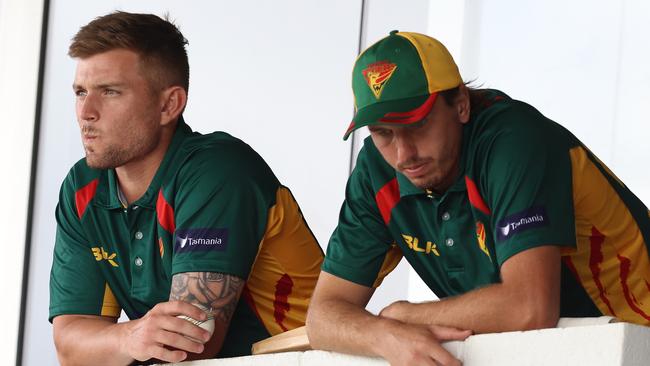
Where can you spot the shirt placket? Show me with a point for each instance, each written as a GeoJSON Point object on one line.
{"type": "Point", "coordinates": [138, 236]}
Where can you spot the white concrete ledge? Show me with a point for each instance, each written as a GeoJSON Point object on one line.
{"type": "Point", "coordinates": [613, 344]}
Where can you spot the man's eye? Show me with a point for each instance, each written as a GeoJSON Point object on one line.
{"type": "Point", "coordinates": [80, 93]}
{"type": "Point", "coordinates": [382, 133]}
{"type": "Point", "coordinates": [111, 92]}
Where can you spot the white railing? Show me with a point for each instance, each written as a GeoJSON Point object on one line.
{"type": "Point", "coordinates": [579, 341]}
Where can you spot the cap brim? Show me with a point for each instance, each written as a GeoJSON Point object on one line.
{"type": "Point", "coordinates": [394, 112]}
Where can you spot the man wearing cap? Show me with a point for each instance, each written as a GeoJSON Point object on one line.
{"type": "Point", "coordinates": [164, 223]}
{"type": "Point", "coordinates": [504, 214]}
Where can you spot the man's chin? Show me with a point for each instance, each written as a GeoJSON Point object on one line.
{"type": "Point", "coordinates": [423, 182]}
{"type": "Point", "coordinates": [95, 163]}
{"type": "Point", "coordinates": [420, 182]}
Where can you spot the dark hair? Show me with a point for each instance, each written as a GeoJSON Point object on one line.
{"type": "Point", "coordinates": [159, 43]}
{"type": "Point", "coordinates": [477, 97]}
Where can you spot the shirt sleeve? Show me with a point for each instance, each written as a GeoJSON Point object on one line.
{"type": "Point", "coordinates": [529, 182]}
{"type": "Point", "coordinates": [76, 283]}
{"type": "Point", "coordinates": [361, 249]}
{"type": "Point", "coordinates": [222, 203]}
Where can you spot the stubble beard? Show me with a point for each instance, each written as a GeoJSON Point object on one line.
{"type": "Point", "coordinates": [423, 182]}
{"type": "Point", "coordinates": [111, 159]}
{"type": "Point", "coordinates": [426, 182]}
{"type": "Point", "coordinates": [116, 156]}
{"type": "Point", "coordinates": [437, 179]}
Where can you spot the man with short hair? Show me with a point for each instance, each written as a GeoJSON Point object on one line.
{"type": "Point", "coordinates": [165, 223]}
{"type": "Point", "coordinates": [503, 213]}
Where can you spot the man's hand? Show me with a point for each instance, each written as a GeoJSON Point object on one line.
{"type": "Point", "coordinates": [161, 335]}
{"type": "Point", "coordinates": [414, 344]}
{"type": "Point", "coordinates": [337, 321]}
{"type": "Point", "coordinates": [84, 339]}
{"type": "Point", "coordinates": [396, 310]}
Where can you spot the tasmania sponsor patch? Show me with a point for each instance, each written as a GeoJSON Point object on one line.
{"type": "Point", "coordinates": [204, 239]}
{"type": "Point", "coordinates": [522, 221]}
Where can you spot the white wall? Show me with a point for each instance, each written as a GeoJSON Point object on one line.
{"type": "Point", "coordinates": [20, 29]}
{"type": "Point", "coordinates": [631, 129]}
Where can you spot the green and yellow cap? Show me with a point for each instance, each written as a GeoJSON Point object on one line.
{"type": "Point", "coordinates": [397, 79]}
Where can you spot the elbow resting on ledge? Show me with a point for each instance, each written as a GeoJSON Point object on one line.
{"type": "Point", "coordinates": [534, 317]}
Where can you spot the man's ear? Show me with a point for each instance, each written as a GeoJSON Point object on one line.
{"type": "Point", "coordinates": [173, 102]}
{"type": "Point", "coordinates": [463, 104]}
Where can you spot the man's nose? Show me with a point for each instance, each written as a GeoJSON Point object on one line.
{"type": "Point", "coordinates": [87, 109]}
{"type": "Point", "coordinates": [406, 149]}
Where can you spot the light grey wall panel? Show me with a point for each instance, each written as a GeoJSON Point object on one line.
{"type": "Point", "coordinates": [20, 43]}
{"type": "Point", "coordinates": [560, 56]}
{"type": "Point", "coordinates": [581, 63]}
{"type": "Point", "coordinates": [631, 130]}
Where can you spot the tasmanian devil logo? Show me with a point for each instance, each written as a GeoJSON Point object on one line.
{"type": "Point", "coordinates": [377, 74]}
{"type": "Point", "coordinates": [161, 247]}
{"type": "Point", "coordinates": [480, 235]}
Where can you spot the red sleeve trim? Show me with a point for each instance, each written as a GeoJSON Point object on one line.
{"type": "Point", "coordinates": [84, 195]}
{"type": "Point", "coordinates": [475, 197]}
{"type": "Point", "coordinates": [165, 213]}
{"type": "Point", "coordinates": [386, 198]}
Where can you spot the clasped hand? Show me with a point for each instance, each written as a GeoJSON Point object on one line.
{"type": "Point", "coordinates": [417, 344]}
{"type": "Point", "coordinates": [160, 334]}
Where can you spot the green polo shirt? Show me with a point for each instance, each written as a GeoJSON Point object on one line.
{"type": "Point", "coordinates": [519, 187]}
{"type": "Point", "coordinates": [213, 206]}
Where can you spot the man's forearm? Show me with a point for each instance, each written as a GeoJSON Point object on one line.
{"type": "Point", "coordinates": [528, 297]}
{"type": "Point", "coordinates": [344, 327]}
{"type": "Point", "coordinates": [337, 321]}
{"type": "Point", "coordinates": [87, 341]}
{"type": "Point", "coordinates": [486, 310]}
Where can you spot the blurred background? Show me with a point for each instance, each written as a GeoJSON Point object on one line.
{"type": "Point", "coordinates": [276, 74]}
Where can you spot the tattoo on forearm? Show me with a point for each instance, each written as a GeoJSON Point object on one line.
{"type": "Point", "coordinates": [216, 291]}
